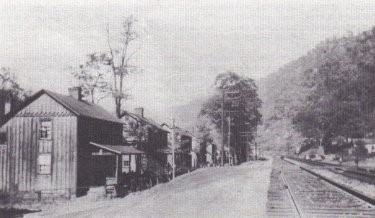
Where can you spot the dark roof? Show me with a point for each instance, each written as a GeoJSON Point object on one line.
{"type": "Point", "coordinates": [183, 132]}
{"type": "Point", "coordinates": [77, 107]}
{"type": "Point", "coordinates": [146, 120]}
{"type": "Point", "coordinates": [118, 149]}
{"type": "Point", "coordinates": [83, 108]}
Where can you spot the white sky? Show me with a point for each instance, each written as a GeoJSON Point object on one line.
{"type": "Point", "coordinates": [184, 44]}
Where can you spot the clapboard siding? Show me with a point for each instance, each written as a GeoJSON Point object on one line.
{"type": "Point", "coordinates": [72, 166]}
{"type": "Point", "coordinates": [22, 150]}
{"type": "Point", "coordinates": [44, 106]}
{"type": "Point", "coordinates": [18, 159]}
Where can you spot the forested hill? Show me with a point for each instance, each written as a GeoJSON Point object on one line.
{"type": "Point", "coordinates": [326, 93]}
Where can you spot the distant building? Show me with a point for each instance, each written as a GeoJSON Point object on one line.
{"type": "Point", "coordinates": [148, 136]}
{"type": "Point", "coordinates": [58, 145]}
{"type": "Point", "coordinates": [186, 157]}
{"type": "Point", "coordinates": [212, 154]}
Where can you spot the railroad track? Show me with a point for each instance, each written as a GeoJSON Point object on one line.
{"type": "Point", "coordinates": [360, 174]}
{"type": "Point", "coordinates": [297, 193]}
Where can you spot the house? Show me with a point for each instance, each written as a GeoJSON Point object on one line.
{"type": "Point", "coordinates": [58, 145]}
{"type": "Point", "coordinates": [212, 154]}
{"type": "Point", "coordinates": [148, 136]}
{"type": "Point", "coordinates": [185, 156]}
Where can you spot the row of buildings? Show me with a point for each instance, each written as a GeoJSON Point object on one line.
{"type": "Point", "coordinates": [58, 145]}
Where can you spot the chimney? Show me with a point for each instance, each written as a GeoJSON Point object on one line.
{"type": "Point", "coordinates": [8, 105]}
{"type": "Point", "coordinates": [76, 92]}
{"type": "Point", "coordinates": [139, 111]}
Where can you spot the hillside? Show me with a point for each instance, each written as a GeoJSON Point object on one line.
{"type": "Point", "coordinates": [281, 92]}
{"type": "Point", "coordinates": [327, 93]}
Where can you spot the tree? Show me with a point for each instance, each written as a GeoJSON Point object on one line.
{"type": "Point", "coordinates": [11, 94]}
{"type": "Point", "coordinates": [206, 135]}
{"type": "Point", "coordinates": [241, 105]}
{"type": "Point", "coordinates": [92, 78]}
{"type": "Point", "coordinates": [8, 81]}
{"type": "Point", "coordinates": [342, 94]}
{"type": "Point", "coordinates": [119, 61]}
{"type": "Point", "coordinates": [116, 62]}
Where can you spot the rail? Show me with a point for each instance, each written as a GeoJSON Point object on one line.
{"type": "Point", "coordinates": [345, 188]}
{"type": "Point", "coordinates": [314, 195]}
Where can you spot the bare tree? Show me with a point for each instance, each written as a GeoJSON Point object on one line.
{"type": "Point", "coordinates": [106, 72]}
{"type": "Point", "coordinates": [119, 61]}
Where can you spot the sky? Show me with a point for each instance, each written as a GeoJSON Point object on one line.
{"type": "Point", "coordinates": [183, 45]}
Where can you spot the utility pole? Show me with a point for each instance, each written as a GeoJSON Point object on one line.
{"type": "Point", "coordinates": [230, 154]}
{"type": "Point", "coordinates": [173, 150]}
{"type": "Point", "coordinates": [222, 129]}
{"type": "Point", "coordinates": [256, 145]}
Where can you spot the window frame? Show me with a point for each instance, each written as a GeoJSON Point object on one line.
{"type": "Point", "coordinates": [39, 165]}
{"type": "Point", "coordinates": [40, 129]}
{"type": "Point", "coordinates": [5, 134]}
{"type": "Point", "coordinates": [126, 163]}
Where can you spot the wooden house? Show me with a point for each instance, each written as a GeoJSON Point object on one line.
{"type": "Point", "coordinates": [59, 145]}
{"type": "Point", "coordinates": [148, 136]}
{"type": "Point", "coordinates": [183, 146]}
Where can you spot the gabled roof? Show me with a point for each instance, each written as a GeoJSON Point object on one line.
{"type": "Point", "coordinates": [118, 149]}
{"type": "Point", "coordinates": [179, 130]}
{"type": "Point", "coordinates": [183, 132]}
{"type": "Point", "coordinates": [77, 107]}
{"type": "Point", "coordinates": [145, 120]}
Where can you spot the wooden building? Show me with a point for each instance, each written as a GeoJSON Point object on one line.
{"type": "Point", "coordinates": [49, 150]}
{"type": "Point", "coordinates": [148, 136]}
{"type": "Point", "coordinates": [183, 146]}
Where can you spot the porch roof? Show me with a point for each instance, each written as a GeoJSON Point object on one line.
{"type": "Point", "coordinates": [167, 150]}
{"type": "Point", "coordinates": [118, 149]}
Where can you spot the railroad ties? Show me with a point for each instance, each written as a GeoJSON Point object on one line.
{"type": "Point", "coordinates": [296, 193]}
{"type": "Point", "coordinates": [279, 202]}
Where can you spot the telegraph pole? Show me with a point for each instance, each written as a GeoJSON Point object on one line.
{"type": "Point", "coordinates": [230, 154]}
{"type": "Point", "coordinates": [256, 145]}
{"type": "Point", "coordinates": [173, 150]}
{"type": "Point", "coordinates": [222, 129]}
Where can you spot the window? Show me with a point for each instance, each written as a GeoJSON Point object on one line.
{"type": "Point", "coordinates": [44, 164]}
{"type": "Point", "coordinates": [126, 163]}
{"type": "Point", "coordinates": [3, 138]}
{"type": "Point", "coordinates": [45, 131]}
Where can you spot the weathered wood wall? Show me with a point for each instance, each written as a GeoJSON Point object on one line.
{"type": "Point", "coordinates": [18, 161]}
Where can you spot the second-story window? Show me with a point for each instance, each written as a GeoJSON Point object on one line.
{"type": "Point", "coordinates": [45, 131]}
{"type": "Point", "coordinates": [3, 138]}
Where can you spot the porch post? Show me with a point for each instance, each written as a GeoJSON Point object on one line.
{"type": "Point", "coordinates": [117, 168]}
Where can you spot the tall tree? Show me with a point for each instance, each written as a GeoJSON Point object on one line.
{"type": "Point", "coordinates": [116, 62]}
{"type": "Point", "coordinates": [241, 105]}
{"type": "Point", "coordinates": [119, 61]}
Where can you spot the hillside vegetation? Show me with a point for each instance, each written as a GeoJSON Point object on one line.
{"type": "Point", "coordinates": [325, 94]}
